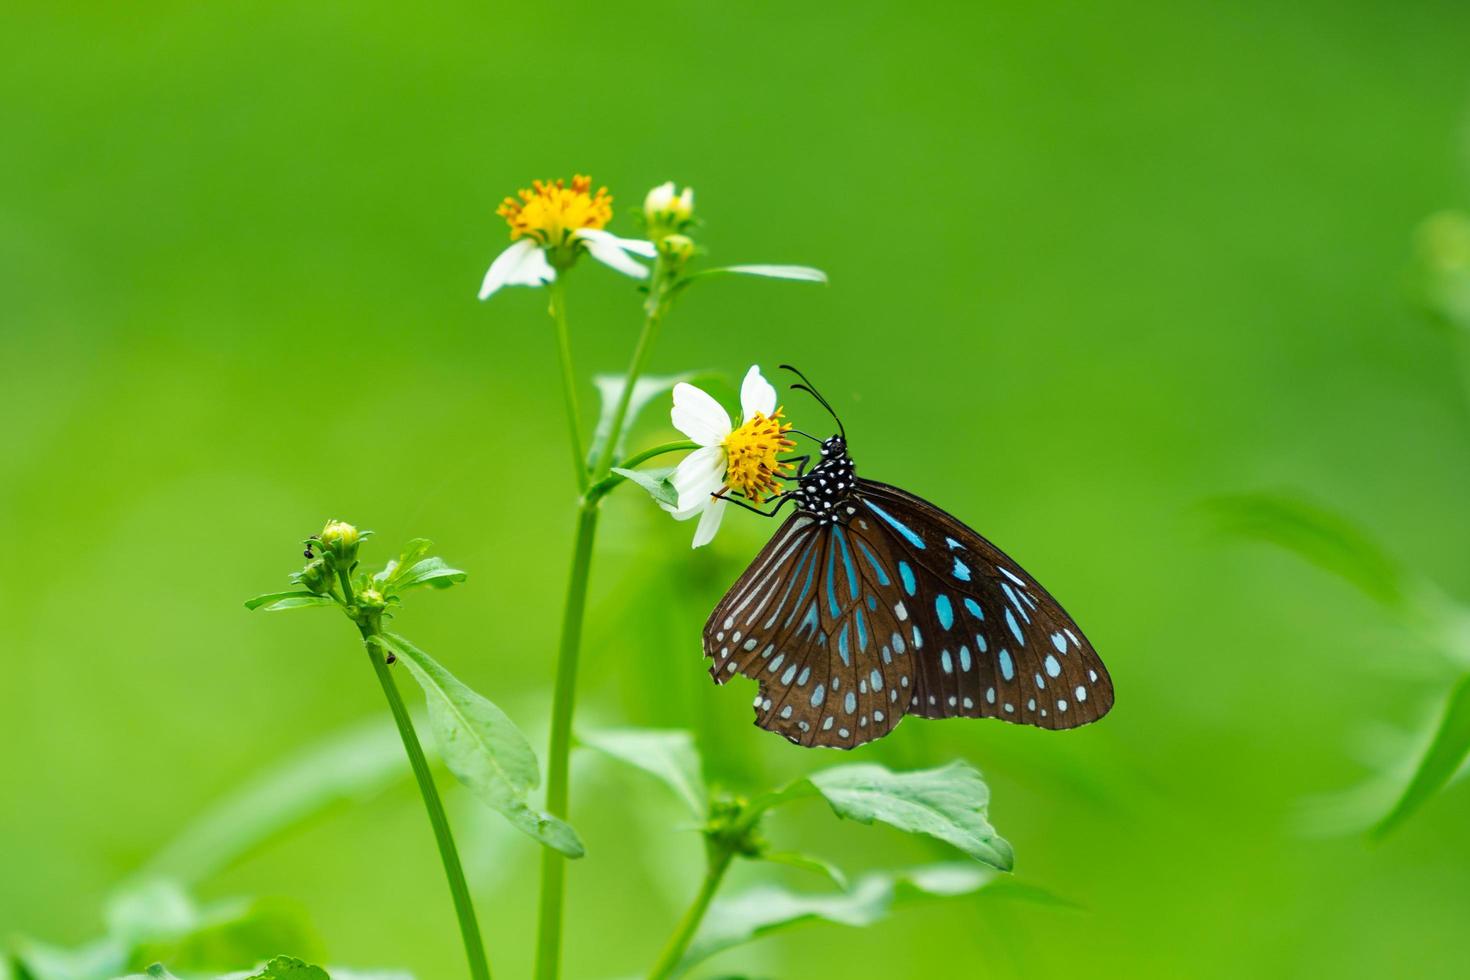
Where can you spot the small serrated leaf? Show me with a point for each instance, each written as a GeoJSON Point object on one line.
{"type": "Point", "coordinates": [290, 968]}
{"type": "Point", "coordinates": [669, 756]}
{"type": "Point", "coordinates": [807, 862]}
{"type": "Point", "coordinates": [765, 909]}
{"type": "Point", "coordinates": [483, 748]}
{"type": "Point", "coordinates": [276, 601]}
{"type": "Point", "coordinates": [426, 571]}
{"type": "Point", "coordinates": [948, 803]}
{"type": "Point", "coordinates": [656, 482]}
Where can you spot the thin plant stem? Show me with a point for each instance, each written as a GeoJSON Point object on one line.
{"type": "Point", "coordinates": [558, 786]}
{"type": "Point", "coordinates": [564, 697]}
{"type": "Point", "coordinates": [568, 380]}
{"type": "Point", "coordinates": [603, 486]}
{"type": "Point", "coordinates": [678, 944]}
{"type": "Point", "coordinates": [469, 928]}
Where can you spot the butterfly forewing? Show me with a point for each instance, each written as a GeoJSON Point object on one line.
{"type": "Point", "coordinates": [992, 642]}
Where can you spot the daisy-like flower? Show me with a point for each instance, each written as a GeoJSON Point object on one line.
{"type": "Point", "coordinates": [550, 225]}
{"type": "Point", "coordinates": [731, 458]}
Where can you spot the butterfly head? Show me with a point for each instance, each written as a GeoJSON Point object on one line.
{"type": "Point", "coordinates": [834, 447]}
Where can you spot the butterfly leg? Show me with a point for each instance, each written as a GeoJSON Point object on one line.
{"type": "Point", "coordinates": [802, 462]}
{"type": "Point", "coordinates": [781, 500]}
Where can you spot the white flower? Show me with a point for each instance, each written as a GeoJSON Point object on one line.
{"type": "Point", "coordinates": [664, 207]}
{"type": "Point", "coordinates": [730, 458]}
{"type": "Point", "coordinates": [564, 220]}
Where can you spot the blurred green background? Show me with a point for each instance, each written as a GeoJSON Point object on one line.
{"type": "Point", "coordinates": [1091, 265]}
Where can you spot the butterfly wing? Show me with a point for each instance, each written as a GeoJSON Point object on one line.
{"type": "Point", "coordinates": [809, 620]}
{"type": "Point", "coordinates": [988, 640]}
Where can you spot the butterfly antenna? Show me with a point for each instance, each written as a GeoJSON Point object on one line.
{"type": "Point", "coordinates": [807, 387]}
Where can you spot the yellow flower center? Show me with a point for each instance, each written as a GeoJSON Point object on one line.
{"type": "Point", "coordinates": [550, 211]}
{"type": "Point", "coordinates": [751, 466]}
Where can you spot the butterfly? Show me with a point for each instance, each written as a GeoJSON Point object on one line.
{"type": "Point", "coordinates": [870, 603]}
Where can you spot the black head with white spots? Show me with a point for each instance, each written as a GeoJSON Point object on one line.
{"type": "Point", "coordinates": [826, 491]}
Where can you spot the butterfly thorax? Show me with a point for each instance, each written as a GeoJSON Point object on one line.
{"type": "Point", "coordinates": [827, 489]}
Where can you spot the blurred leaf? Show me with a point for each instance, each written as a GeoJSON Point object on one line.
{"type": "Point", "coordinates": [799, 273]}
{"type": "Point", "coordinates": [99, 960]}
{"type": "Point", "coordinates": [484, 749]}
{"type": "Point", "coordinates": [1443, 250]}
{"type": "Point", "coordinates": [155, 972]}
{"type": "Point", "coordinates": [232, 936]}
{"type": "Point", "coordinates": [427, 571]}
{"type": "Point", "coordinates": [276, 601]}
{"type": "Point", "coordinates": [948, 803]}
{"type": "Point", "coordinates": [648, 388]}
{"type": "Point", "coordinates": [290, 968]}
{"type": "Point", "coordinates": [1321, 537]}
{"type": "Point", "coordinates": [351, 765]}
{"type": "Point", "coordinates": [147, 909]}
{"type": "Point", "coordinates": [655, 481]}
{"type": "Point", "coordinates": [669, 756]}
{"type": "Point", "coordinates": [765, 909]}
{"type": "Point", "coordinates": [1445, 755]}
{"type": "Point", "coordinates": [807, 862]}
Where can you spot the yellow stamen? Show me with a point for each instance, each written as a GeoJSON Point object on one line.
{"type": "Point", "coordinates": [550, 211]}
{"type": "Point", "coordinates": [751, 466]}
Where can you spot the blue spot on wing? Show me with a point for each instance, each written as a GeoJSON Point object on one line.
{"type": "Point", "coordinates": [961, 571]}
{"type": "Point", "coordinates": [1007, 668]}
{"type": "Point", "coordinates": [1015, 628]}
{"type": "Point", "coordinates": [832, 582]}
{"type": "Point", "coordinates": [897, 525]}
{"type": "Point", "coordinates": [974, 608]}
{"type": "Point", "coordinates": [944, 610]}
{"type": "Point", "coordinates": [842, 646]}
{"type": "Point", "coordinates": [907, 574]}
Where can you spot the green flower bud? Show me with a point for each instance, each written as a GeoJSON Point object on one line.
{"type": "Point", "coordinates": [676, 248]}
{"type": "Point", "coordinates": [317, 577]}
{"type": "Point", "coordinates": [340, 539]}
{"type": "Point", "coordinates": [371, 599]}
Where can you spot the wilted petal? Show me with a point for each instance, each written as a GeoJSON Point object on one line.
{"type": "Point", "coordinates": [522, 264]}
{"type": "Point", "coordinates": [699, 416]}
{"type": "Point", "coordinates": [756, 394]}
{"type": "Point", "coordinates": [709, 523]}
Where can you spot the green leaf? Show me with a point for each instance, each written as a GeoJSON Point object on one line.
{"type": "Point", "coordinates": [766, 909]}
{"type": "Point", "coordinates": [799, 273]}
{"type": "Point", "coordinates": [655, 481]}
{"type": "Point", "coordinates": [158, 970]}
{"type": "Point", "coordinates": [148, 909]}
{"type": "Point", "coordinates": [427, 571]}
{"type": "Point", "coordinates": [97, 960]}
{"type": "Point", "coordinates": [232, 936]}
{"type": "Point", "coordinates": [1446, 754]}
{"type": "Point", "coordinates": [669, 756]}
{"type": "Point", "coordinates": [412, 552]}
{"type": "Point", "coordinates": [948, 803]}
{"type": "Point", "coordinates": [484, 749]}
{"type": "Point", "coordinates": [807, 862]}
{"type": "Point", "coordinates": [276, 601]}
{"type": "Point", "coordinates": [290, 968]}
{"type": "Point", "coordinates": [1320, 536]}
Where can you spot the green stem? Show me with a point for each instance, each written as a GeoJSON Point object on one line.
{"type": "Point", "coordinates": [678, 944]}
{"type": "Point", "coordinates": [469, 929]}
{"type": "Point", "coordinates": [368, 625]}
{"type": "Point", "coordinates": [568, 380]}
{"type": "Point", "coordinates": [564, 697]}
{"type": "Point", "coordinates": [558, 787]}
{"type": "Point", "coordinates": [654, 314]}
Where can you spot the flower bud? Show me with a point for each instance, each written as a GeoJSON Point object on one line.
{"type": "Point", "coordinates": [677, 248]}
{"type": "Point", "coordinates": [668, 212]}
{"type": "Point", "coordinates": [340, 539]}
{"type": "Point", "coordinates": [371, 599]}
{"type": "Point", "coordinates": [317, 577]}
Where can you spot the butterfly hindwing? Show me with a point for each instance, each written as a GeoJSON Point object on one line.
{"type": "Point", "coordinates": [848, 625]}
{"type": "Point", "coordinates": [992, 642]}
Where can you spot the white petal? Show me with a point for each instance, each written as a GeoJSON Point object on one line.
{"type": "Point", "coordinates": [698, 475]}
{"type": "Point", "coordinates": [635, 245]}
{"type": "Point", "coordinates": [756, 394]}
{"type": "Point", "coordinates": [523, 264]}
{"type": "Point", "coordinates": [709, 523]}
{"type": "Point", "coordinates": [801, 273]}
{"type": "Point", "coordinates": [699, 416]}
